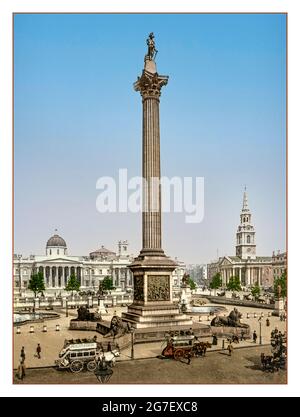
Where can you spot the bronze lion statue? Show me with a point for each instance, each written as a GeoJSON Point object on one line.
{"type": "Point", "coordinates": [233, 320]}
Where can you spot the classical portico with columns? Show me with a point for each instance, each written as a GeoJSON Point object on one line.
{"type": "Point", "coordinates": [57, 266]}
{"type": "Point", "coordinates": [250, 268]}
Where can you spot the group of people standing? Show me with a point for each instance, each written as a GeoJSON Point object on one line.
{"type": "Point", "coordinates": [21, 372]}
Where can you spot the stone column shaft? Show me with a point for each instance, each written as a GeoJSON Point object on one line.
{"type": "Point", "coordinates": [151, 175]}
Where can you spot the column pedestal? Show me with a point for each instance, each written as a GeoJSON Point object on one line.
{"type": "Point", "coordinates": [153, 305]}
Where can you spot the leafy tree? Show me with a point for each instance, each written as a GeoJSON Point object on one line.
{"type": "Point", "coordinates": [36, 283]}
{"type": "Point", "coordinates": [192, 284]}
{"type": "Point", "coordinates": [234, 284]}
{"type": "Point", "coordinates": [73, 284]}
{"type": "Point", "coordinates": [255, 291]}
{"type": "Point", "coordinates": [107, 284]}
{"type": "Point", "coordinates": [282, 283]}
{"type": "Point", "coordinates": [216, 281]}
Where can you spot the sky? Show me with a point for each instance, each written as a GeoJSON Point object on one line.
{"type": "Point", "coordinates": [77, 118]}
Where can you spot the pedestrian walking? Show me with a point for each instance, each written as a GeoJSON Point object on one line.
{"type": "Point", "coordinates": [230, 349]}
{"type": "Point", "coordinates": [38, 351]}
{"type": "Point", "coordinates": [21, 369]}
{"type": "Point", "coordinates": [22, 354]}
{"type": "Point", "coordinates": [254, 336]}
{"type": "Point", "coordinates": [242, 335]}
{"type": "Point", "coordinates": [108, 347]}
{"type": "Point", "coordinates": [267, 322]}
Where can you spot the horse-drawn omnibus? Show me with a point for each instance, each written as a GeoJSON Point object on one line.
{"type": "Point", "coordinates": [77, 356]}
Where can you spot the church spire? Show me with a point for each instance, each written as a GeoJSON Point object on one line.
{"type": "Point", "coordinates": [245, 236]}
{"type": "Point", "coordinates": [245, 200]}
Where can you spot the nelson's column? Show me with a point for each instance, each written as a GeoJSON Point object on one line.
{"type": "Point", "coordinates": [152, 305]}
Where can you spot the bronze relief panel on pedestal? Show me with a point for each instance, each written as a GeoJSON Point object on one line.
{"type": "Point", "coordinates": [158, 288]}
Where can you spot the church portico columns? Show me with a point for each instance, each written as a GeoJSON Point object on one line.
{"type": "Point", "coordinates": [248, 274]}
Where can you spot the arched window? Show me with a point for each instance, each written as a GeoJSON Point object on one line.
{"type": "Point", "coordinates": [248, 239]}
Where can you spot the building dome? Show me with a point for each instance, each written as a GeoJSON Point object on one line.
{"type": "Point", "coordinates": [102, 253]}
{"type": "Point", "coordinates": [56, 240]}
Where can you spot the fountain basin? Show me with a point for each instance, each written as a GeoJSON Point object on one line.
{"type": "Point", "coordinates": [207, 309]}
{"type": "Point", "coordinates": [23, 318]}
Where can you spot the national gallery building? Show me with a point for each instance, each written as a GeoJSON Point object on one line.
{"type": "Point", "coordinates": [57, 267]}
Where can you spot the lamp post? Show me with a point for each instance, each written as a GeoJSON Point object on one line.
{"type": "Point", "coordinates": [260, 338]}
{"type": "Point", "coordinates": [132, 344]}
{"type": "Point", "coordinates": [67, 313]}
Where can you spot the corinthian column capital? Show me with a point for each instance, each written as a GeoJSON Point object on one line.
{"type": "Point", "coordinates": [149, 85]}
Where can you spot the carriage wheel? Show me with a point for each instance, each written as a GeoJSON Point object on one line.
{"type": "Point", "coordinates": [178, 354]}
{"type": "Point", "coordinates": [91, 366]}
{"type": "Point", "coordinates": [76, 366]}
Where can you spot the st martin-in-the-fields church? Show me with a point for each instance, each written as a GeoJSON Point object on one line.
{"type": "Point", "coordinates": [246, 265]}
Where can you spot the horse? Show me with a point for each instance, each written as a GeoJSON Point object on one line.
{"type": "Point", "coordinates": [110, 357]}
{"type": "Point", "coordinates": [201, 347]}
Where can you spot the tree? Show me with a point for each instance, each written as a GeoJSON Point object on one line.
{"type": "Point", "coordinates": [192, 284]}
{"type": "Point", "coordinates": [280, 285]}
{"type": "Point", "coordinates": [36, 283]}
{"type": "Point", "coordinates": [234, 284]}
{"type": "Point", "coordinates": [255, 291]}
{"type": "Point", "coordinates": [107, 284]}
{"type": "Point", "coordinates": [216, 281]}
{"type": "Point", "coordinates": [73, 284]}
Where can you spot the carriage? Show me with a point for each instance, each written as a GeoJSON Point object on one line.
{"type": "Point", "coordinates": [180, 347]}
{"type": "Point", "coordinates": [84, 355]}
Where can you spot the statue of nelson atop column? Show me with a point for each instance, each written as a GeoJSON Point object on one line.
{"type": "Point", "coordinates": [151, 47]}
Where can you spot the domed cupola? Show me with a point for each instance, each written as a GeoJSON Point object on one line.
{"type": "Point", "coordinates": [56, 246]}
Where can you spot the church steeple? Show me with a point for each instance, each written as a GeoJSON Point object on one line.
{"type": "Point", "coordinates": [245, 236]}
{"type": "Point", "coordinates": [245, 201]}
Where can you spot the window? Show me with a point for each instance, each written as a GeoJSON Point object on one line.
{"type": "Point", "coordinates": [24, 271]}
{"type": "Point", "coordinates": [92, 353]}
{"type": "Point", "coordinates": [86, 354]}
{"type": "Point", "coordinates": [248, 239]}
{"type": "Point", "coordinates": [57, 251]}
{"type": "Point", "coordinates": [100, 271]}
{"type": "Point", "coordinates": [50, 252]}
{"type": "Point", "coordinates": [73, 355]}
{"type": "Point", "coordinates": [93, 272]}
{"type": "Point", "coordinates": [79, 354]}
{"type": "Point", "coordinates": [125, 248]}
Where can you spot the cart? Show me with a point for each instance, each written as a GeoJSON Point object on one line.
{"type": "Point", "coordinates": [180, 347]}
